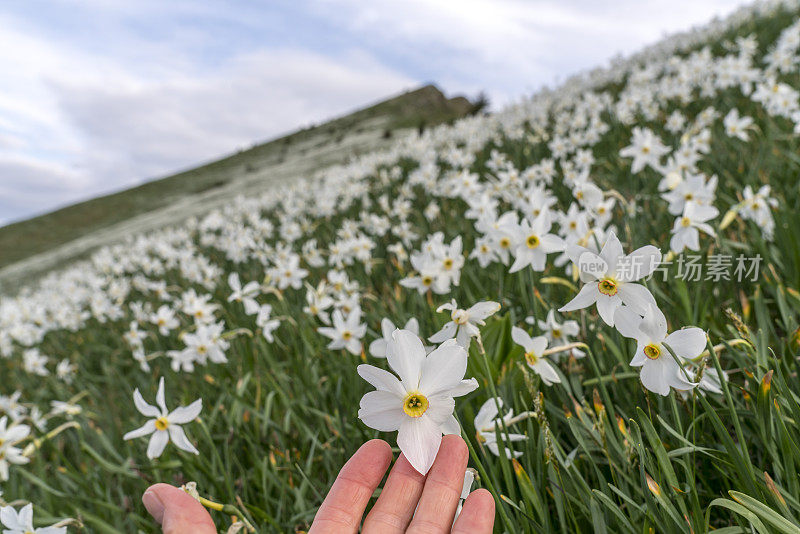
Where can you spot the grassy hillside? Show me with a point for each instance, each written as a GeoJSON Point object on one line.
{"type": "Point", "coordinates": [417, 109]}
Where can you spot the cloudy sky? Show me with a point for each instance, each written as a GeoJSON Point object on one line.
{"type": "Point", "coordinates": [99, 95]}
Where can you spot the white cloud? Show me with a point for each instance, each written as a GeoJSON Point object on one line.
{"type": "Point", "coordinates": [509, 47]}
{"type": "Point", "coordinates": [95, 123]}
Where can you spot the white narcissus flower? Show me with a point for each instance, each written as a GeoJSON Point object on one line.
{"type": "Point", "coordinates": [487, 424]}
{"type": "Point", "coordinates": [164, 318]}
{"type": "Point", "coordinates": [534, 349]}
{"type": "Point", "coordinates": [246, 295]}
{"type": "Point", "coordinates": [419, 405]}
{"type": "Point", "coordinates": [686, 230]}
{"type": "Point", "coordinates": [9, 453]}
{"type": "Point", "coordinates": [609, 278]}
{"type": "Point", "coordinates": [736, 126]}
{"type": "Point", "coordinates": [756, 207]}
{"type": "Point", "coordinates": [266, 323]}
{"type": "Point", "coordinates": [165, 425]}
{"type": "Point", "coordinates": [345, 333]}
{"type": "Point", "coordinates": [694, 189]}
{"type": "Point", "coordinates": [558, 333]}
{"type": "Point", "coordinates": [660, 370]}
{"type": "Point", "coordinates": [533, 243]}
{"type": "Point", "coordinates": [645, 149]}
{"type": "Point", "coordinates": [22, 522]}
{"type": "Point", "coordinates": [378, 347]}
{"type": "Point", "coordinates": [463, 324]}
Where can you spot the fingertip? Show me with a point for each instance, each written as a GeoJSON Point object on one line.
{"type": "Point", "coordinates": [375, 453]}
{"type": "Point", "coordinates": [477, 514]}
{"type": "Point", "coordinates": [454, 445]}
{"type": "Point", "coordinates": [176, 511]}
{"type": "Point", "coordinates": [483, 498]}
{"type": "Point", "coordinates": [377, 446]}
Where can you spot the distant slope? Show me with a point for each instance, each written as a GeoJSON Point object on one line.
{"type": "Point", "coordinates": [33, 246]}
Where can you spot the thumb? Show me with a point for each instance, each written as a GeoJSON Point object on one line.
{"type": "Point", "coordinates": [177, 511]}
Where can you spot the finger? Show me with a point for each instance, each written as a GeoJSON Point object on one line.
{"type": "Point", "coordinates": [477, 515]}
{"type": "Point", "coordinates": [176, 511]}
{"type": "Point", "coordinates": [342, 509]}
{"type": "Point", "coordinates": [439, 499]}
{"type": "Point", "coordinates": [395, 506]}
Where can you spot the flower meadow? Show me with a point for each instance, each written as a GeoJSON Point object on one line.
{"type": "Point", "coordinates": [596, 287]}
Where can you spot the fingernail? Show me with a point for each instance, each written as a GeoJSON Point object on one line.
{"type": "Point", "coordinates": [153, 504]}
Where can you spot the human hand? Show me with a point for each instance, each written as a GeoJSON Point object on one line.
{"type": "Point", "coordinates": [409, 502]}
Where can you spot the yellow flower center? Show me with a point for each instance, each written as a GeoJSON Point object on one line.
{"type": "Point", "coordinates": [686, 221]}
{"type": "Point", "coordinates": [415, 404]}
{"type": "Point", "coordinates": [689, 196]}
{"type": "Point", "coordinates": [608, 287]}
{"type": "Point", "coordinates": [505, 242]}
{"type": "Point", "coordinates": [346, 335]}
{"type": "Point", "coordinates": [652, 351]}
{"type": "Point", "coordinates": [201, 349]}
{"type": "Point", "coordinates": [448, 264]}
{"type": "Point", "coordinates": [162, 423]}
{"type": "Point", "coordinates": [557, 333]}
{"type": "Point", "coordinates": [531, 358]}
{"type": "Point", "coordinates": [573, 225]}
{"type": "Point", "coordinates": [459, 316]}
{"type": "Point", "coordinates": [427, 280]}
{"type": "Point", "coordinates": [645, 150]}
{"type": "Point", "coordinates": [532, 241]}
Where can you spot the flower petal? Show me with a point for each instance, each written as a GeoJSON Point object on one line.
{"type": "Point", "coordinates": [443, 369]}
{"type": "Point", "coordinates": [145, 430]}
{"type": "Point", "coordinates": [587, 296]}
{"type": "Point", "coordinates": [185, 414]}
{"type": "Point", "coordinates": [627, 322]}
{"type": "Point", "coordinates": [655, 374]}
{"type": "Point", "coordinates": [380, 379]}
{"type": "Point", "coordinates": [451, 426]}
{"type": "Point", "coordinates": [487, 413]}
{"type": "Point", "coordinates": [522, 338]}
{"type": "Point", "coordinates": [687, 343]}
{"type": "Point", "coordinates": [145, 409]}
{"type": "Point", "coordinates": [158, 441]}
{"type": "Point", "coordinates": [405, 354]}
{"type": "Point", "coordinates": [544, 369]}
{"type": "Point", "coordinates": [482, 310]}
{"type": "Point", "coordinates": [462, 388]}
{"type": "Point", "coordinates": [160, 397]}
{"type": "Point", "coordinates": [382, 411]}
{"type": "Point", "coordinates": [178, 437]}
{"type": "Point", "coordinates": [636, 296]}
{"type": "Point", "coordinates": [654, 324]}
{"type": "Point", "coordinates": [419, 439]}
{"type": "Point", "coordinates": [448, 331]}
{"type": "Point", "coordinates": [639, 263]}
{"type": "Point", "coordinates": [612, 251]}
{"type": "Point", "coordinates": [607, 306]}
